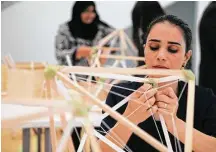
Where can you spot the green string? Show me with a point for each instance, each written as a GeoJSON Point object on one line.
{"type": "Point", "coordinates": [50, 72]}
{"type": "Point", "coordinates": [152, 82]}
{"type": "Point", "coordinates": [189, 74]}
{"type": "Point", "coordinates": [77, 104]}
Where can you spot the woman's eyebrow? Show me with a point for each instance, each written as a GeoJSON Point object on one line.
{"type": "Point", "coordinates": [154, 40]}
{"type": "Point", "coordinates": [170, 42]}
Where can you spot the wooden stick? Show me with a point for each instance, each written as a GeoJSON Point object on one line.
{"type": "Point", "coordinates": [142, 66]}
{"type": "Point", "coordinates": [119, 57]}
{"type": "Point", "coordinates": [89, 130]}
{"type": "Point", "coordinates": [134, 49]}
{"type": "Point", "coordinates": [11, 122]}
{"type": "Point", "coordinates": [64, 123]}
{"type": "Point", "coordinates": [70, 144]}
{"type": "Point", "coordinates": [190, 116]}
{"type": "Point", "coordinates": [59, 105]}
{"type": "Point", "coordinates": [51, 118]}
{"type": "Point", "coordinates": [131, 71]}
{"type": "Point", "coordinates": [108, 48]}
{"type": "Point", "coordinates": [86, 147]}
{"type": "Point", "coordinates": [115, 82]}
{"type": "Point", "coordinates": [123, 44]}
{"type": "Point", "coordinates": [35, 102]}
{"type": "Point", "coordinates": [98, 62]}
{"type": "Point", "coordinates": [8, 62]}
{"type": "Point", "coordinates": [127, 77]}
{"type": "Point", "coordinates": [138, 131]}
{"type": "Point", "coordinates": [115, 63]}
{"type": "Point", "coordinates": [22, 65]}
{"type": "Point", "coordinates": [125, 41]}
{"type": "Point", "coordinates": [95, 63]}
{"type": "Point", "coordinates": [11, 60]}
{"type": "Point", "coordinates": [28, 66]}
{"type": "Point", "coordinates": [103, 41]}
{"type": "Point", "coordinates": [98, 90]}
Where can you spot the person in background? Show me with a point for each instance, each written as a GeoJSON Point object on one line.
{"type": "Point", "coordinates": [77, 37]}
{"type": "Point", "coordinates": [143, 13]}
{"type": "Point", "coordinates": [207, 32]}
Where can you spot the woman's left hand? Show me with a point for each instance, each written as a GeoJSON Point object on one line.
{"type": "Point", "coordinates": [167, 103]}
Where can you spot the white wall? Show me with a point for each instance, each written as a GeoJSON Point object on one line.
{"type": "Point", "coordinates": [118, 13]}
{"type": "Point", "coordinates": [29, 28]}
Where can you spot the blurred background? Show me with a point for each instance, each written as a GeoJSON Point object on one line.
{"type": "Point", "coordinates": [29, 28]}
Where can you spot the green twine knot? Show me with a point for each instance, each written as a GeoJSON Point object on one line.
{"type": "Point", "coordinates": [79, 108]}
{"type": "Point", "coordinates": [50, 72]}
{"type": "Point", "coordinates": [152, 82]}
{"type": "Point", "coordinates": [189, 74]}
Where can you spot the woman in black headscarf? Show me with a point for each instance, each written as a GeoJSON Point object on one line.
{"type": "Point", "coordinates": [76, 37]}
{"type": "Point", "coordinates": [143, 13]}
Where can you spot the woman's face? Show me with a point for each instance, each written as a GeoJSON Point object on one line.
{"type": "Point", "coordinates": [165, 47]}
{"type": "Point", "coordinates": [88, 15]}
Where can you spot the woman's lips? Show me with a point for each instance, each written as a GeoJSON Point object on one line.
{"type": "Point", "coordinates": [160, 67]}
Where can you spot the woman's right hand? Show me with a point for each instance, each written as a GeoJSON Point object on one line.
{"type": "Point", "coordinates": [83, 51]}
{"type": "Point", "coordinates": [139, 103]}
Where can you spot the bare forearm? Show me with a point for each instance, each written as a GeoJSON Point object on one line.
{"type": "Point", "coordinates": [201, 141]}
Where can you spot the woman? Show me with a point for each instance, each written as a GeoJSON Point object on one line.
{"type": "Point", "coordinates": [168, 42]}
{"type": "Point", "coordinates": [77, 37]}
{"type": "Point", "coordinates": [143, 13]}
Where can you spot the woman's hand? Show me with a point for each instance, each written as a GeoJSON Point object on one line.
{"type": "Point", "coordinates": [83, 51]}
{"type": "Point", "coordinates": [138, 108]}
{"type": "Point", "coordinates": [167, 103]}
{"type": "Point", "coordinates": [86, 51]}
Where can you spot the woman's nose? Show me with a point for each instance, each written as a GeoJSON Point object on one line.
{"type": "Point", "coordinates": [161, 56]}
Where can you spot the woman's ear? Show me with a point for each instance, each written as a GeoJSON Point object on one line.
{"type": "Point", "coordinates": [188, 56]}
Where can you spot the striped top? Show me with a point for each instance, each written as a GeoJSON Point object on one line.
{"type": "Point", "coordinates": [66, 44]}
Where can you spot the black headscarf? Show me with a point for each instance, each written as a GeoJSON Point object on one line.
{"type": "Point", "coordinates": [77, 27]}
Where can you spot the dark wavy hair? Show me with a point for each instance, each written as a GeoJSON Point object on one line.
{"type": "Point", "coordinates": [144, 12]}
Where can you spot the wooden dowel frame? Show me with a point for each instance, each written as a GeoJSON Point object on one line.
{"type": "Point", "coordinates": [142, 134]}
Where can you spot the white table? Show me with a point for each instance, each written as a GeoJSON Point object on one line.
{"type": "Point", "coordinates": [13, 111]}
